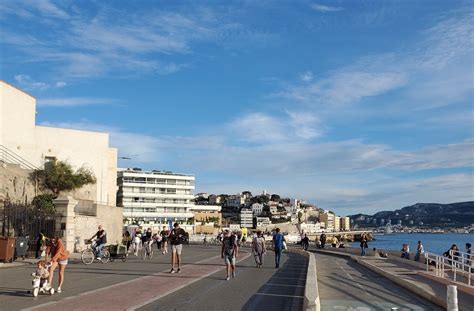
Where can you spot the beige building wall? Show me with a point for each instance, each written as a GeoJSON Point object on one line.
{"type": "Point", "coordinates": [19, 133]}
{"type": "Point", "coordinates": [328, 220]}
{"type": "Point", "coordinates": [337, 223]}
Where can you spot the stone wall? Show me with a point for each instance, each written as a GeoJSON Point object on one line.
{"type": "Point", "coordinates": [15, 184]}
{"type": "Point", "coordinates": [78, 222]}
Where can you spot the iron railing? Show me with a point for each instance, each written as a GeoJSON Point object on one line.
{"type": "Point", "coordinates": [459, 263]}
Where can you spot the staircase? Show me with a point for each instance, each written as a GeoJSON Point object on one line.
{"type": "Point", "coordinates": [8, 156]}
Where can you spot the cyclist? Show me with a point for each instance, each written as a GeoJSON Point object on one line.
{"type": "Point", "coordinates": [101, 236]}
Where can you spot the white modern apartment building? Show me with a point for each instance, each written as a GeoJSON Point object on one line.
{"type": "Point", "coordinates": [155, 197]}
{"type": "Point", "coordinates": [257, 209]}
{"type": "Point", "coordinates": [246, 218]}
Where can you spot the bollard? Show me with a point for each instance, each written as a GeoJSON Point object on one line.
{"type": "Point", "coordinates": [452, 298]}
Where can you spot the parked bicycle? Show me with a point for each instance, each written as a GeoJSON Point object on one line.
{"type": "Point", "coordinates": [89, 254]}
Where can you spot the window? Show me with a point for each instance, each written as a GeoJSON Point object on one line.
{"type": "Point", "coordinates": [49, 160]}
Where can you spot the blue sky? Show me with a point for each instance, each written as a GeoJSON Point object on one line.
{"type": "Point", "coordinates": [357, 106]}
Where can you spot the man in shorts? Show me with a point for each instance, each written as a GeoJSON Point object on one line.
{"type": "Point", "coordinates": [176, 238]}
{"type": "Point", "coordinates": [229, 252]}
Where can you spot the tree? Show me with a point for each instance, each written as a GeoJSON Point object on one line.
{"type": "Point", "coordinates": [275, 198]}
{"type": "Point", "coordinates": [59, 176]}
{"type": "Point", "coordinates": [44, 202]}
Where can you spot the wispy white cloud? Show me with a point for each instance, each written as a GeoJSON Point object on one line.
{"type": "Point", "coordinates": [325, 8]}
{"type": "Point", "coordinates": [74, 101]}
{"type": "Point", "coordinates": [96, 45]}
{"type": "Point", "coordinates": [258, 127]}
{"type": "Point", "coordinates": [141, 148]}
{"type": "Point", "coordinates": [307, 76]}
{"type": "Point", "coordinates": [346, 87]}
{"type": "Point", "coordinates": [47, 8]}
{"type": "Point", "coordinates": [265, 128]}
{"type": "Point", "coordinates": [28, 83]}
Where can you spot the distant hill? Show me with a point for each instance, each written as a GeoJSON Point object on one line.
{"type": "Point", "coordinates": [422, 214]}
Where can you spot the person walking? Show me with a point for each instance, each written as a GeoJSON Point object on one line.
{"type": "Point", "coordinates": [305, 242]}
{"type": "Point", "coordinates": [419, 251]}
{"type": "Point", "coordinates": [258, 248]}
{"type": "Point", "coordinates": [59, 256]}
{"type": "Point", "coordinates": [323, 239]}
{"type": "Point", "coordinates": [278, 240]}
{"type": "Point", "coordinates": [229, 252]}
{"type": "Point", "coordinates": [137, 239]}
{"type": "Point", "coordinates": [127, 240]}
{"type": "Point", "coordinates": [164, 240]}
{"type": "Point", "coordinates": [176, 238]}
{"type": "Point", "coordinates": [363, 244]}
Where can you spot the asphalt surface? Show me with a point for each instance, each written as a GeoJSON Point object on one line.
{"type": "Point", "coordinates": [346, 285]}
{"type": "Point", "coordinates": [252, 288]}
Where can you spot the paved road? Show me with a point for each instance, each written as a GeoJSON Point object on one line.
{"type": "Point", "coordinates": [346, 285]}
{"type": "Point", "coordinates": [252, 289]}
{"type": "Point", "coordinates": [137, 283]}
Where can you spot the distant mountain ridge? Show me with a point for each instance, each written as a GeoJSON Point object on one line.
{"type": "Point", "coordinates": [459, 214]}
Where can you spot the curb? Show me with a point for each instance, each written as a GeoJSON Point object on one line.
{"type": "Point", "coordinates": [311, 291]}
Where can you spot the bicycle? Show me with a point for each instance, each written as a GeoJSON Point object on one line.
{"type": "Point", "coordinates": [89, 254]}
{"type": "Point", "coordinates": [147, 250]}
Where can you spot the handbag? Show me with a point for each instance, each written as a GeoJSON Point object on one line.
{"type": "Point", "coordinates": [284, 245]}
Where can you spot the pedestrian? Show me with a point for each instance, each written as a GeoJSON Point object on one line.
{"type": "Point", "coordinates": [405, 251]}
{"type": "Point", "coordinates": [229, 252]}
{"type": "Point", "coordinates": [164, 240]}
{"type": "Point", "coordinates": [137, 239]}
{"type": "Point", "coordinates": [305, 242]}
{"type": "Point", "coordinates": [40, 245]}
{"type": "Point", "coordinates": [127, 240]}
{"type": "Point", "coordinates": [258, 248]}
{"type": "Point", "coordinates": [323, 239]}
{"type": "Point", "coordinates": [278, 240]}
{"type": "Point", "coordinates": [363, 244]}
{"type": "Point", "coordinates": [59, 256]}
{"type": "Point", "coordinates": [176, 238]}
{"type": "Point", "coordinates": [419, 251]}
{"type": "Point", "coordinates": [157, 238]}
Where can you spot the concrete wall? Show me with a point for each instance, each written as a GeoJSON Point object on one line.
{"type": "Point", "coordinates": [17, 116]}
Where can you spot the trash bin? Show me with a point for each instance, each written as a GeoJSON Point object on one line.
{"type": "Point", "coordinates": [21, 247]}
{"type": "Point", "coordinates": [7, 249]}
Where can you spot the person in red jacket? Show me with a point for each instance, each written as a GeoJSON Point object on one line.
{"type": "Point", "coordinates": [59, 256]}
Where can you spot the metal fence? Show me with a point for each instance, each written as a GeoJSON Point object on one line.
{"type": "Point", "coordinates": [21, 220]}
{"type": "Point", "coordinates": [458, 263]}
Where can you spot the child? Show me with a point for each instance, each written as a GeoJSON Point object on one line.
{"type": "Point", "coordinates": [41, 272]}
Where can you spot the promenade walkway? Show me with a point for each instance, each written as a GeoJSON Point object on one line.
{"type": "Point", "coordinates": [252, 289]}
{"type": "Point", "coordinates": [386, 279]}
{"type": "Point", "coordinates": [147, 284]}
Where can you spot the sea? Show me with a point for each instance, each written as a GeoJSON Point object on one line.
{"type": "Point", "coordinates": [436, 243]}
